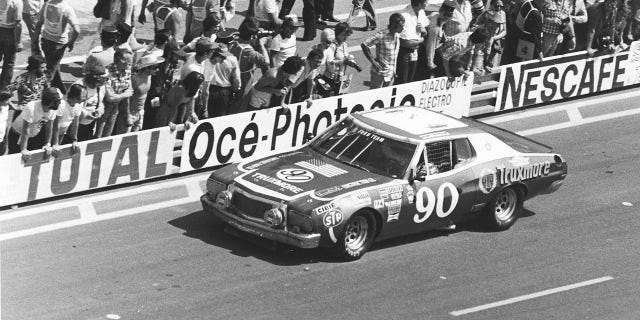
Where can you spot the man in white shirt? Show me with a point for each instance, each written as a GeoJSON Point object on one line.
{"type": "Point", "coordinates": [283, 45]}
{"type": "Point", "coordinates": [221, 82]}
{"type": "Point", "coordinates": [195, 61]}
{"type": "Point", "coordinates": [411, 39]}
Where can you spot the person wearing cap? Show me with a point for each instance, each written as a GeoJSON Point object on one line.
{"type": "Point", "coordinates": [251, 53]}
{"type": "Point", "coordinates": [197, 12]}
{"type": "Point", "coordinates": [65, 126]}
{"type": "Point", "coordinates": [435, 34]}
{"type": "Point", "coordinates": [118, 91]}
{"type": "Point", "coordinates": [93, 107]}
{"type": "Point", "coordinates": [211, 25]}
{"type": "Point", "coordinates": [221, 82]}
{"type": "Point", "coordinates": [29, 85]}
{"type": "Point", "coordinates": [54, 20]}
{"type": "Point", "coordinates": [26, 131]}
{"type": "Point", "coordinates": [494, 21]}
{"type": "Point", "coordinates": [411, 37]}
{"type": "Point", "coordinates": [267, 12]}
{"type": "Point", "coordinates": [10, 35]}
{"type": "Point", "coordinates": [383, 66]}
{"type": "Point", "coordinates": [195, 61]}
{"type": "Point", "coordinates": [276, 82]}
{"type": "Point", "coordinates": [169, 17]}
{"type": "Point", "coordinates": [283, 45]}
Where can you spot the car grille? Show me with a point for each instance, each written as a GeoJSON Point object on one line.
{"type": "Point", "coordinates": [251, 207]}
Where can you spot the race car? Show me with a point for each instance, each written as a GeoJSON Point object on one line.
{"type": "Point", "coordinates": [381, 174]}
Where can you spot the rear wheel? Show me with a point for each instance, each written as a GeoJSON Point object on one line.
{"type": "Point", "coordinates": [504, 209]}
{"type": "Point", "coordinates": [357, 237]}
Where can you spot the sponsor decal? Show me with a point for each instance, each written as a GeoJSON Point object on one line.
{"type": "Point", "coordinates": [378, 204]}
{"type": "Point", "coordinates": [370, 135]}
{"type": "Point", "coordinates": [358, 183]}
{"type": "Point", "coordinates": [434, 135]}
{"type": "Point", "coordinates": [519, 161]}
{"type": "Point", "coordinates": [261, 163]}
{"type": "Point", "coordinates": [410, 194]}
{"type": "Point", "coordinates": [324, 208]}
{"type": "Point", "coordinates": [488, 181]}
{"type": "Point", "coordinates": [508, 175]}
{"type": "Point", "coordinates": [361, 199]}
{"type": "Point", "coordinates": [393, 210]}
{"type": "Point", "coordinates": [526, 84]}
{"type": "Point", "coordinates": [277, 182]}
{"type": "Point", "coordinates": [328, 191]}
{"type": "Point", "coordinates": [332, 218]}
{"type": "Point", "coordinates": [321, 167]}
{"type": "Point", "coordinates": [387, 192]}
{"type": "Point", "coordinates": [427, 202]}
{"type": "Point", "coordinates": [295, 175]}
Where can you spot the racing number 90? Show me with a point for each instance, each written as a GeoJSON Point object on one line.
{"type": "Point", "coordinates": [435, 202]}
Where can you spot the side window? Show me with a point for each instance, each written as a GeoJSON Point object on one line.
{"type": "Point", "coordinates": [439, 157]}
{"type": "Point", "coordinates": [462, 152]}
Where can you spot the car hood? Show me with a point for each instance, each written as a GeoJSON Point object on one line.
{"type": "Point", "coordinates": [292, 174]}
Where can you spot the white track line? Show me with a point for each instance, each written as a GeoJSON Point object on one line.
{"type": "Point", "coordinates": [530, 296]}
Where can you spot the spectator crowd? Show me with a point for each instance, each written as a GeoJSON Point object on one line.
{"type": "Point", "coordinates": [215, 70]}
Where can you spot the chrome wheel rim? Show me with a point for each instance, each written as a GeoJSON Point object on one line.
{"type": "Point", "coordinates": [505, 205]}
{"type": "Point", "coordinates": [356, 233]}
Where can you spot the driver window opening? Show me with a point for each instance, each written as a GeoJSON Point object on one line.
{"type": "Point", "coordinates": [443, 156]}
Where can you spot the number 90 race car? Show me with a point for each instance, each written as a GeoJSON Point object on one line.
{"type": "Point", "coordinates": [382, 174]}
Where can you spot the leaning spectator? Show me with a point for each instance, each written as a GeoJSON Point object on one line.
{"type": "Point", "coordinates": [143, 70]}
{"type": "Point", "coordinates": [266, 12]}
{"type": "Point", "coordinates": [178, 107]}
{"type": "Point", "coordinates": [221, 82]}
{"type": "Point", "coordinates": [524, 33]}
{"type": "Point", "coordinates": [195, 61]}
{"type": "Point", "coordinates": [57, 16]}
{"type": "Point", "coordinates": [283, 45]}
{"type": "Point", "coordinates": [169, 17]}
{"type": "Point", "coordinates": [607, 21]}
{"type": "Point", "coordinates": [197, 12]}
{"type": "Point", "coordinates": [65, 126]}
{"type": "Point", "coordinates": [461, 20]}
{"type": "Point", "coordinates": [383, 66]}
{"type": "Point", "coordinates": [211, 26]}
{"type": "Point", "coordinates": [10, 35]}
{"type": "Point", "coordinates": [275, 82]}
{"type": "Point", "coordinates": [494, 21]}
{"type": "Point", "coordinates": [251, 54]}
{"type": "Point", "coordinates": [26, 132]}
{"type": "Point", "coordinates": [30, 10]}
{"type": "Point", "coordinates": [30, 84]}
{"type": "Point", "coordinates": [93, 108]}
{"type": "Point", "coordinates": [412, 36]}
{"type": "Point", "coordinates": [303, 89]}
{"type": "Point", "coordinates": [6, 113]}
{"type": "Point", "coordinates": [456, 50]}
{"type": "Point", "coordinates": [370, 14]}
{"type": "Point", "coordinates": [435, 36]}
{"type": "Point", "coordinates": [118, 91]}
{"type": "Point", "coordinates": [557, 21]}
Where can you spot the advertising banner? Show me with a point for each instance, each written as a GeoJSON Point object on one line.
{"type": "Point", "coordinates": [533, 82]}
{"type": "Point", "coordinates": [212, 142]}
{"type": "Point", "coordinates": [97, 163]}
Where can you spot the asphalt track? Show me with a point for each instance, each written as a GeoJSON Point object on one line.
{"type": "Point", "coordinates": [574, 254]}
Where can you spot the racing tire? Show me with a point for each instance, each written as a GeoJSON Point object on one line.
{"type": "Point", "coordinates": [504, 209]}
{"type": "Point", "coordinates": [357, 236]}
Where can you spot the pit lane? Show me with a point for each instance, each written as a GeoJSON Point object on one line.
{"type": "Point", "coordinates": [172, 262]}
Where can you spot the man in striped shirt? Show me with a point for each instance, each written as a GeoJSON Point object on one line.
{"type": "Point", "coordinates": [387, 43]}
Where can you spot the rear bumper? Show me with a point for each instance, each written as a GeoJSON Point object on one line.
{"type": "Point", "coordinates": [297, 240]}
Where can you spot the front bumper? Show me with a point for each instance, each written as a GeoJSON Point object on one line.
{"type": "Point", "coordinates": [297, 240]}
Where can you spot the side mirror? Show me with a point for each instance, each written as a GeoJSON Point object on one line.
{"type": "Point", "coordinates": [418, 176]}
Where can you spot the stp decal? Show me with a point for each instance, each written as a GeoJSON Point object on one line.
{"type": "Point", "coordinates": [427, 202]}
{"type": "Point", "coordinates": [295, 175]}
{"type": "Point", "coordinates": [332, 218]}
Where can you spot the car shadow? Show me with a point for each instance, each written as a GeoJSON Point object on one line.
{"type": "Point", "coordinates": [208, 229]}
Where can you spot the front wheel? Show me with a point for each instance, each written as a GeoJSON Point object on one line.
{"type": "Point", "coordinates": [357, 237]}
{"type": "Point", "coordinates": [504, 209]}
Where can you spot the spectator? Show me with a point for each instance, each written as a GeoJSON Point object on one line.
{"type": "Point", "coordinates": [370, 14]}
{"type": "Point", "coordinates": [57, 16]}
{"type": "Point", "coordinates": [633, 27]}
{"type": "Point", "coordinates": [121, 12]}
{"type": "Point", "coordinates": [494, 22]}
{"type": "Point", "coordinates": [461, 20]}
{"type": "Point", "coordinates": [10, 35]}
{"type": "Point", "coordinates": [141, 84]}
{"type": "Point", "coordinates": [222, 82]}
{"type": "Point", "coordinates": [169, 17]}
{"type": "Point", "coordinates": [308, 16]}
{"type": "Point", "coordinates": [195, 61]}
{"type": "Point", "coordinates": [167, 76]}
{"type": "Point", "coordinates": [65, 126]}
{"type": "Point", "coordinates": [118, 90]}
{"type": "Point", "coordinates": [383, 66]}
{"type": "Point", "coordinates": [211, 26]}
{"type": "Point", "coordinates": [30, 84]}
{"type": "Point", "coordinates": [435, 38]}
{"type": "Point", "coordinates": [266, 12]}
{"type": "Point", "coordinates": [197, 12]}
{"type": "Point", "coordinates": [606, 24]}
{"type": "Point", "coordinates": [337, 57]}
{"type": "Point", "coordinates": [152, 7]}
{"type": "Point", "coordinates": [178, 107]}
{"type": "Point", "coordinates": [251, 54]}
{"type": "Point", "coordinates": [575, 31]}
{"type": "Point", "coordinates": [556, 21]}
{"type": "Point", "coordinates": [412, 36]}
{"type": "Point", "coordinates": [160, 40]}
{"type": "Point", "coordinates": [455, 52]}
{"type": "Point", "coordinates": [283, 45]}
{"type": "Point", "coordinates": [327, 38]}
{"type": "Point", "coordinates": [26, 132]}
{"type": "Point", "coordinates": [30, 10]}
{"type": "Point", "coordinates": [103, 55]}
{"type": "Point", "coordinates": [93, 108]}
{"type": "Point", "coordinates": [304, 87]}
{"type": "Point", "coordinates": [275, 82]}
{"type": "Point", "coordinates": [6, 113]}
{"type": "Point", "coordinates": [524, 34]}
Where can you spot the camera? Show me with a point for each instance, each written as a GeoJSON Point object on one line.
{"type": "Point", "coordinates": [264, 33]}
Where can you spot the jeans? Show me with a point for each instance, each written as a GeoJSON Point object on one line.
{"type": "Point", "coordinates": [219, 103]}
{"type": "Point", "coordinates": [30, 21]}
{"type": "Point", "coordinates": [405, 68]}
{"type": "Point", "coordinates": [7, 54]}
{"type": "Point", "coordinates": [53, 53]}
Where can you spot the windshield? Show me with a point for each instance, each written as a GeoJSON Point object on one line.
{"type": "Point", "coordinates": [358, 147]}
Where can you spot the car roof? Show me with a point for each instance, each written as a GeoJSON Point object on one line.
{"type": "Point", "coordinates": [414, 122]}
